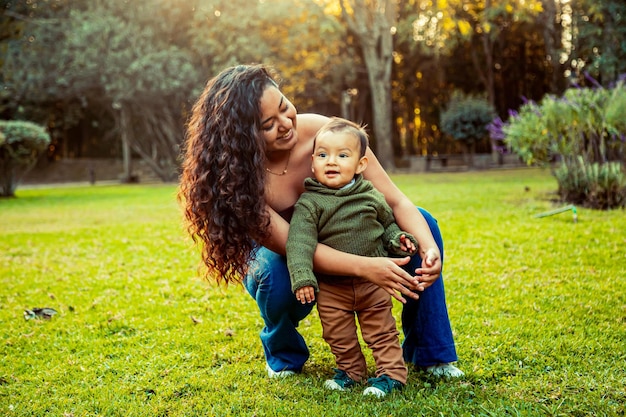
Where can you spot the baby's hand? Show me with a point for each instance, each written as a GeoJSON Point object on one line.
{"type": "Point", "coordinates": [407, 245]}
{"type": "Point", "coordinates": [305, 294]}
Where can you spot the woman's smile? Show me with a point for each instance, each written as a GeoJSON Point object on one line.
{"type": "Point", "coordinates": [287, 136]}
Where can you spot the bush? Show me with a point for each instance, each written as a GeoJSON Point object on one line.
{"type": "Point", "coordinates": [586, 131]}
{"type": "Point", "coordinates": [616, 112]}
{"type": "Point", "coordinates": [21, 143]}
{"type": "Point", "coordinates": [527, 135]}
{"type": "Point", "coordinates": [595, 185]}
{"type": "Point", "coordinates": [466, 118]}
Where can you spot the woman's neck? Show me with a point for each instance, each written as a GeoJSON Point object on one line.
{"type": "Point", "coordinates": [279, 164]}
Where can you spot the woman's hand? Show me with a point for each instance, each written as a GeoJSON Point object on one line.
{"type": "Point", "coordinates": [431, 268]}
{"type": "Point", "coordinates": [388, 274]}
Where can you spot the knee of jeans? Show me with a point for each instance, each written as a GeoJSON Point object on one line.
{"type": "Point", "coordinates": [250, 284]}
{"type": "Point", "coordinates": [259, 270]}
{"type": "Point", "coordinates": [281, 306]}
{"type": "Point", "coordinates": [274, 297]}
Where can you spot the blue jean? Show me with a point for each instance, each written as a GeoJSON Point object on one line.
{"type": "Point", "coordinates": [425, 323]}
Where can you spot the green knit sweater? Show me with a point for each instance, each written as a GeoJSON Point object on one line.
{"type": "Point", "coordinates": [356, 220]}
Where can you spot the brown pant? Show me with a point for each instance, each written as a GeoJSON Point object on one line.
{"type": "Point", "coordinates": [338, 300]}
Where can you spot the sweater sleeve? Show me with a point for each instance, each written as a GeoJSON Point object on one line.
{"type": "Point", "coordinates": [301, 244]}
{"type": "Point", "coordinates": [392, 234]}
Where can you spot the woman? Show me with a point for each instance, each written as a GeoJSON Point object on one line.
{"type": "Point", "coordinates": [247, 155]}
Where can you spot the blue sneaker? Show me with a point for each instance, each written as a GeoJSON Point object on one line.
{"type": "Point", "coordinates": [340, 382]}
{"type": "Point", "coordinates": [382, 386]}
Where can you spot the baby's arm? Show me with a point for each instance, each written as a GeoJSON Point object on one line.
{"type": "Point", "coordinates": [305, 294]}
{"type": "Point", "coordinates": [300, 248]}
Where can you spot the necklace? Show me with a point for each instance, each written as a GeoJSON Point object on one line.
{"type": "Point", "coordinates": [280, 174]}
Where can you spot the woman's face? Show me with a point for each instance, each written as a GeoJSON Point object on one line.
{"type": "Point", "coordinates": [278, 120]}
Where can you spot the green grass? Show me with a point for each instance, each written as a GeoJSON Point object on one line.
{"type": "Point", "coordinates": [538, 307]}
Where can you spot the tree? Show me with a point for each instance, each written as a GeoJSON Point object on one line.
{"type": "Point", "coordinates": [483, 23]}
{"type": "Point", "coordinates": [124, 54]}
{"type": "Point", "coordinates": [31, 39]}
{"type": "Point", "coordinates": [598, 45]}
{"type": "Point", "coordinates": [300, 39]}
{"type": "Point", "coordinates": [135, 69]}
{"type": "Point", "coordinates": [107, 56]}
{"type": "Point", "coordinates": [129, 71]}
{"type": "Point", "coordinates": [443, 46]}
{"type": "Point", "coordinates": [552, 30]}
{"type": "Point", "coordinates": [21, 144]}
{"type": "Point", "coordinates": [373, 23]}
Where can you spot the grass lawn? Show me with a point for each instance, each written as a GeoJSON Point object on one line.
{"type": "Point", "coordinates": [538, 307]}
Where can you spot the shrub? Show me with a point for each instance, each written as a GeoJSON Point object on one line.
{"type": "Point", "coordinates": [586, 131]}
{"type": "Point", "coordinates": [616, 115]}
{"type": "Point", "coordinates": [21, 143]}
{"type": "Point", "coordinates": [601, 186]}
{"type": "Point", "coordinates": [527, 136]}
{"type": "Point", "coordinates": [466, 119]}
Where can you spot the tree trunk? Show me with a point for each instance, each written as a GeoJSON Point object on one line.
{"type": "Point", "coordinates": [489, 68]}
{"type": "Point", "coordinates": [380, 84]}
{"type": "Point", "coordinates": [372, 23]}
{"type": "Point", "coordinates": [485, 68]}
{"type": "Point", "coordinates": [7, 176]}
{"type": "Point", "coordinates": [124, 127]}
{"type": "Point", "coordinates": [551, 39]}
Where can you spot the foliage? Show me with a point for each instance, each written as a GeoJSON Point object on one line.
{"type": "Point", "coordinates": [466, 118]}
{"type": "Point", "coordinates": [596, 185]}
{"type": "Point", "coordinates": [584, 129]}
{"type": "Point", "coordinates": [300, 39]}
{"type": "Point", "coordinates": [599, 47]}
{"type": "Point", "coordinates": [144, 80]}
{"type": "Point", "coordinates": [21, 144]}
{"type": "Point", "coordinates": [497, 136]}
{"type": "Point", "coordinates": [615, 113]}
{"type": "Point", "coordinates": [72, 63]}
{"type": "Point", "coordinates": [137, 334]}
{"type": "Point", "coordinates": [527, 135]}
{"type": "Point", "coordinates": [111, 57]}
{"type": "Point", "coordinates": [141, 65]}
{"type": "Point", "coordinates": [453, 45]}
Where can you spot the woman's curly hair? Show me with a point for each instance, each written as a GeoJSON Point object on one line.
{"type": "Point", "coordinates": [222, 188]}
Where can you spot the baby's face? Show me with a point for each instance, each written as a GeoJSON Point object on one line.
{"type": "Point", "coordinates": [337, 158]}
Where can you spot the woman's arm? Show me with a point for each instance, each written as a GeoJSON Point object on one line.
{"type": "Point", "coordinates": [409, 219]}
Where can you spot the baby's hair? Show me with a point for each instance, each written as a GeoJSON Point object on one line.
{"type": "Point", "coordinates": [338, 125]}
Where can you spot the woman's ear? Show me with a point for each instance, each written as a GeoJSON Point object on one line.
{"type": "Point", "coordinates": [362, 165]}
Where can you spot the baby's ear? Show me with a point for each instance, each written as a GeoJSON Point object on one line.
{"type": "Point", "coordinates": [362, 165]}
